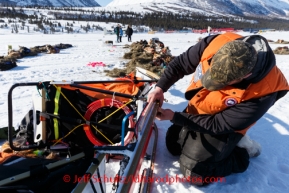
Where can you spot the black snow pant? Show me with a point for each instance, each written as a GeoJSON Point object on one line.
{"type": "Point", "coordinates": [204, 157]}
{"type": "Point", "coordinates": [129, 38]}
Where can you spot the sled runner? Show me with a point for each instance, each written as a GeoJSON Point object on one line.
{"type": "Point", "coordinates": [79, 126]}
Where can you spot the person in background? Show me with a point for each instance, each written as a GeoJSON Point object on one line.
{"type": "Point", "coordinates": [209, 31]}
{"type": "Point", "coordinates": [235, 81]}
{"type": "Point", "coordinates": [129, 32]}
{"type": "Point", "coordinates": [120, 33]}
{"type": "Point", "coordinates": [116, 31]}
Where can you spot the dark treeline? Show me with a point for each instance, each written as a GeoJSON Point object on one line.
{"type": "Point", "coordinates": [156, 20]}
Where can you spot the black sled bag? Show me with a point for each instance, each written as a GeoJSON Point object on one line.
{"type": "Point", "coordinates": [60, 179]}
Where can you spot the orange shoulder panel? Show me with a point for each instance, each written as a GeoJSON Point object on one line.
{"type": "Point", "coordinates": [217, 43]}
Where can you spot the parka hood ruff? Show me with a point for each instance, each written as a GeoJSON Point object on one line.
{"type": "Point", "coordinates": [266, 59]}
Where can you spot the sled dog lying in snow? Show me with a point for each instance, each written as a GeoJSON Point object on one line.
{"type": "Point", "coordinates": [14, 54]}
{"type": "Point", "coordinates": [52, 50]}
{"type": "Point", "coordinates": [108, 42]}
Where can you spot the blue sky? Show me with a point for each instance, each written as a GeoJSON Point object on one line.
{"type": "Point", "coordinates": [103, 2]}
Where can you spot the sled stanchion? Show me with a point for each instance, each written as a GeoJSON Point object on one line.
{"type": "Point", "coordinates": [10, 118]}
{"type": "Point", "coordinates": [145, 126]}
{"type": "Point", "coordinates": [123, 126]}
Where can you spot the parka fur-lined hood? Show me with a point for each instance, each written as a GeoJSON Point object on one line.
{"type": "Point", "coordinates": [266, 58]}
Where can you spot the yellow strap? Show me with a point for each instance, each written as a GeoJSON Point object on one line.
{"type": "Point", "coordinates": [115, 111]}
{"type": "Point", "coordinates": [59, 92]}
{"type": "Point", "coordinates": [58, 89]}
{"type": "Point", "coordinates": [56, 109]}
{"type": "Point", "coordinates": [67, 134]}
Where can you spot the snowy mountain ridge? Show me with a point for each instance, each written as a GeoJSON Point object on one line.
{"type": "Point", "coordinates": [257, 8]}
{"type": "Point", "coordinates": [254, 8]}
{"type": "Point", "coordinates": [52, 3]}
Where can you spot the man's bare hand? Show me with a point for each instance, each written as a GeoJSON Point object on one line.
{"type": "Point", "coordinates": [156, 95]}
{"type": "Point", "coordinates": [164, 114]}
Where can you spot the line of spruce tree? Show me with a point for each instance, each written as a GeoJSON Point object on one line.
{"type": "Point", "coordinates": [157, 21]}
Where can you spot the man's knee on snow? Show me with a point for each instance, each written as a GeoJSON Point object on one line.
{"type": "Point", "coordinates": [188, 167]}
{"type": "Point", "coordinates": [172, 138]}
{"type": "Point", "coordinates": [212, 155]}
{"type": "Point", "coordinates": [236, 162]}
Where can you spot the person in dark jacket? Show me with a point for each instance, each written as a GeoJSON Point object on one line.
{"type": "Point", "coordinates": [117, 31]}
{"type": "Point", "coordinates": [231, 89]}
{"type": "Point", "coordinates": [129, 32]}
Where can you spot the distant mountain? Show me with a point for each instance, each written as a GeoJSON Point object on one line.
{"type": "Point", "coordinates": [261, 8]}
{"type": "Point", "coordinates": [255, 8]}
{"type": "Point", "coordinates": [52, 3]}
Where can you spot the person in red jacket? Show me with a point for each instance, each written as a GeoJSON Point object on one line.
{"type": "Point", "coordinates": [232, 87]}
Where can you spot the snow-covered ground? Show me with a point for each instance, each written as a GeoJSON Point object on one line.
{"type": "Point", "coordinates": [267, 173]}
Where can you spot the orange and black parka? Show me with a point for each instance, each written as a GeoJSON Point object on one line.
{"type": "Point", "coordinates": [234, 108]}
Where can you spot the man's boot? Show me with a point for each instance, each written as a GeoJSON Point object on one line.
{"type": "Point", "coordinates": [253, 148]}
